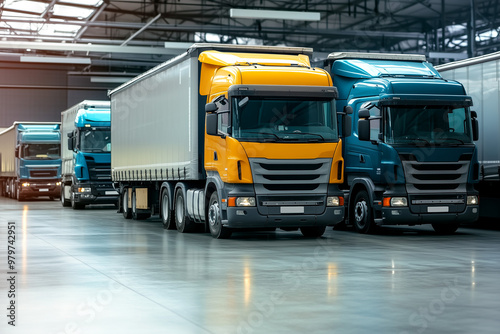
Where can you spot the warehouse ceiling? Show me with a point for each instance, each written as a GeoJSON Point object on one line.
{"type": "Point", "coordinates": [128, 37]}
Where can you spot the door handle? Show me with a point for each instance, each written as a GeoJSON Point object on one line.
{"type": "Point", "coordinates": [215, 156]}
{"type": "Point", "coordinates": [362, 158]}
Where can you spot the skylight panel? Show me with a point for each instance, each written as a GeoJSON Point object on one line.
{"type": "Point", "coordinates": [61, 10]}
{"type": "Point", "coordinates": [26, 6]}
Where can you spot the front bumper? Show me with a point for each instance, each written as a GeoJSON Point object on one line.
{"type": "Point", "coordinates": [36, 189]}
{"type": "Point", "coordinates": [403, 216]}
{"type": "Point", "coordinates": [249, 217]}
{"type": "Point", "coordinates": [99, 194]}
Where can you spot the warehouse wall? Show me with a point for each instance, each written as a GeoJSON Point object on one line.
{"type": "Point", "coordinates": [40, 94]}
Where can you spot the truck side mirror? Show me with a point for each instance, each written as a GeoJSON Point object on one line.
{"type": "Point", "coordinates": [211, 123]}
{"type": "Point", "coordinates": [475, 126]}
{"type": "Point", "coordinates": [364, 129]}
{"type": "Point", "coordinates": [210, 107]}
{"type": "Point", "coordinates": [70, 143]}
{"type": "Point", "coordinates": [348, 110]}
{"type": "Point", "coordinates": [363, 113]}
{"type": "Point", "coordinates": [364, 124]}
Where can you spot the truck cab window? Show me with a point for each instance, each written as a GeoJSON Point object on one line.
{"type": "Point", "coordinates": [284, 119]}
{"type": "Point", "coordinates": [40, 151]}
{"type": "Point", "coordinates": [95, 140]}
{"type": "Point", "coordinates": [435, 125]}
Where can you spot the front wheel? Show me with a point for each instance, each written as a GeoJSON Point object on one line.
{"type": "Point", "coordinates": [362, 213]}
{"type": "Point", "coordinates": [64, 201]}
{"type": "Point", "coordinates": [214, 219]}
{"type": "Point", "coordinates": [444, 229]}
{"type": "Point", "coordinates": [75, 205]}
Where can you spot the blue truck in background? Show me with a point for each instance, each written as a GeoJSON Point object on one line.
{"type": "Point", "coordinates": [30, 160]}
{"type": "Point", "coordinates": [411, 158]}
{"type": "Point", "coordinates": [86, 155]}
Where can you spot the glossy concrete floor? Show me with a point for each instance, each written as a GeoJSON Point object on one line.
{"type": "Point", "coordinates": [94, 272]}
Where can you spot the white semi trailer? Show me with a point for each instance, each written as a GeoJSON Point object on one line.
{"type": "Point", "coordinates": [481, 79]}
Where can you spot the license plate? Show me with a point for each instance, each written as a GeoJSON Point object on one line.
{"type": "Point", "coordinates": [43, 190]}
{"type": "Point", "coordinates": [111, 192]}
{"type": "Point", "coordinates": [434, 209]}
{"type": "Point", "coordinates": [292, 209]}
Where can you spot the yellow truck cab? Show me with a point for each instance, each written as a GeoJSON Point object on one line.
{"type": "Point", "coordinates": [272, 156]}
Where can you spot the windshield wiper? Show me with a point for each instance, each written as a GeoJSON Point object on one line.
{"type": "Point", "coordinates": [456, 139]}
{"type": "Point", "coordinates": [417, 139]}
{"type": "Point", "coordinates": [265, 133]}
{"type": "Point", "coordinates": [307, 133]}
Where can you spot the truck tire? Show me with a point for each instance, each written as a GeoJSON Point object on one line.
{"type": "Point", "coordinates": [312, 231]}
{"type": "Point", "coordinates": [136, 215]}
{"type": "Point", "coordinates": [183, 223]}
{"type": "Point", "coordinates": [64, 201]}
{"type": "Point", "coordinates": [445, 229]}
{"type": "Point", "coordinates": [127, 212]}
{"type": "Point", "coordinates": [214, 219]}
{"type": "Point", "coordinates": [166, 212]}
{"type": "Point", "coordinates": [361, 213]}
{"type": "Point", "coordinates": [19, 197]}
{"type": "Point", "coordinates": [75, 205]}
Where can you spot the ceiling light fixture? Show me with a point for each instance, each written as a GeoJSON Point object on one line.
{"type": "Point", "coordinates": [273, 15]}
{"type": "Point", "coordinates": [54, 60]}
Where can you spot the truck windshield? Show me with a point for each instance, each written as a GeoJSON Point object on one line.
{"type": "Point", "coordinates": [95, 140]}
{"type": "Point", "coordinates": [260, 119]}
{"type": "Point", "coordinates": [41, 151]}
{"type": "Point", "coordinates": [427, 125]}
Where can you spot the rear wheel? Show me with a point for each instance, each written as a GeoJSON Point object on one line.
{"type": "Point", "coordinates": [183, 223]}
{"type": "Point", "coordinates": [127, 213]}
{"type": "Point", "coordinates": [445, 228]}
{"type": "Point", "coordinates": [166, 211]}
{"type": "Point", "coordinates": [214, 219]}
{"type": "Point", "coordinates": [136, 214]}
{"type": "Point", "coordinates": [362, 213]}
{"type": "Point", "coordinates": [313, 231]}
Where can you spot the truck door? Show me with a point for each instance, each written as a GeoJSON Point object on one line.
{"type": "Point", "coordinates": [363, 157]}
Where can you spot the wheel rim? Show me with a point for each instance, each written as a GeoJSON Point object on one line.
{"type": "Point", "coordinates": [213, 214]}
{"type": "Point", "coordinates": [164, 207]}
{"type": "Point", "coordinates": [360, 211]}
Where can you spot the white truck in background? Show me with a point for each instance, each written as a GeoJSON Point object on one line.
{"type": "Point", "coordinates": [481, 79]}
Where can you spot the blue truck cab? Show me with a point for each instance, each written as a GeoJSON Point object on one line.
{"type": "Point", "coordinates": [411, 158]}
{"type": "Point", "coordinates": [86, 164]}
{"type": "Point", "coordinates": [38, 160]}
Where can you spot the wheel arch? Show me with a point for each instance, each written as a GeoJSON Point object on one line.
{"type": "Point", "coordinates": [358, 185]}
{"type": "Point", "coordinates": [214, 183]}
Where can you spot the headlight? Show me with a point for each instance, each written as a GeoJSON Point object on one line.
{"type": "Point", "coordinates": [245, 201]}
{"type": "Point", "coordinates": [399, 201]}
{"type": "Point", "coordinates": [84, 190]}
{"type": "Point", "coordinates": [58, 183]}
{"type": "Point", "coordinates": [334, 201]}
{"type": "Point", "coordinates": [472, 200]}
{"type": "Point", "coordinates": [25, 184]}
